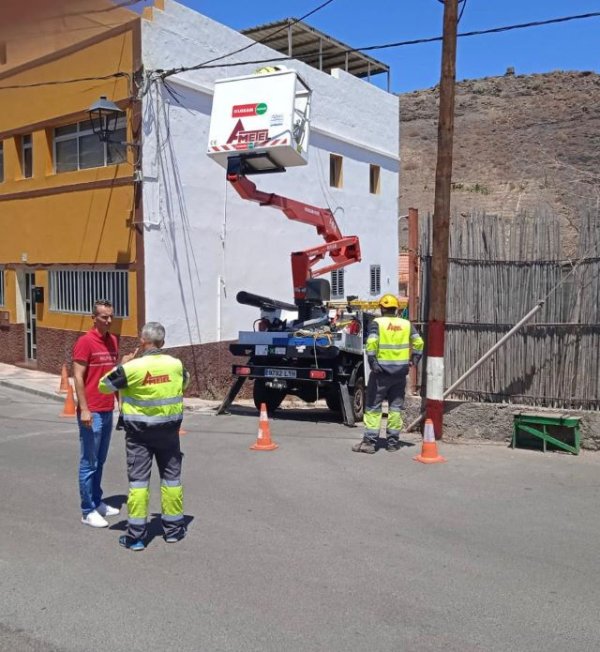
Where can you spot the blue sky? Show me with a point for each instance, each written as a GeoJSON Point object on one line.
{"type": "Point", "coordinates": [566, 46]}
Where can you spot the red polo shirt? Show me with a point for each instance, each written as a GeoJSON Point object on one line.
{"type": "Point", "coordinates": [100, 355]}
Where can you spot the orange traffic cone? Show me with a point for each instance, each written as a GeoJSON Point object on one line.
{"type": "Point", "coordinates": [64, 379]}
{"type": "Point", "coordinates": [429, 453]}
{"type": "Point", "coordinates": [69, 406]}
{"type": "Point", "coordinates": [263, 441]}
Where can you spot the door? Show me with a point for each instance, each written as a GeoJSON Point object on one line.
{"type": "Point", "coordinates": [30, 325]}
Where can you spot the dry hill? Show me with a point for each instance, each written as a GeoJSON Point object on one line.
{"type": "Point", "coordinates": [522, 143]}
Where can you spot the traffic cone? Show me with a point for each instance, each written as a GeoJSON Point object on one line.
{"type": "Point", "coordinates": [64, 379]}
{"type": "Point", "coordinates": [263, 441]}
{"type": "Point", "coordinates": [69, 406]}
{"type": "Point", "coordinates": [429, 453]}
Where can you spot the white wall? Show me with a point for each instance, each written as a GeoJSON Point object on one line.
{"type": "Point", "coordinates": [203, 243]}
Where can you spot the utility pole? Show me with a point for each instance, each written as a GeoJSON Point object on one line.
{"type": "Point", "coordinates": [434, 404]}
{"type": "Point", "coordinates": [413, 275]}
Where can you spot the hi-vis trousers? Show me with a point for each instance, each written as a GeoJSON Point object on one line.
{"type": "Point", "coordinates": [141, 448]}
{"type": "Point", "coordinates": [384, 386]}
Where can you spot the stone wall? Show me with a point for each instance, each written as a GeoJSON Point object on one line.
{"type": "Point", "coordinates": [12, 343]}
{"type": "Point", "coordinates": [209, 364]}
{"type": "Point", "coordinates": [466, 420]}
{"type": "Point", "coordinates": [210, 369]}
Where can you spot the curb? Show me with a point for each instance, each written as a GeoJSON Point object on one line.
{"type": "Point", "coordinates": [32, 390]}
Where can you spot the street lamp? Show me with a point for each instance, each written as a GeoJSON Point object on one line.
{"type": "Point", "coordinates": [103, 116]}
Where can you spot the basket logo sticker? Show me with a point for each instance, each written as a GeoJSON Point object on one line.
{"type": "Point", "coordinates": [247, 110]}
{"type": "Point", "coordinates": [247, 137]}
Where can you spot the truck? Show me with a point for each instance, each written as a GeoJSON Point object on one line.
{"type": "Point", "coordinates": [312, 348]}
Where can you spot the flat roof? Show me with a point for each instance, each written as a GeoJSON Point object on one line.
{"type": "Point", "coordinates": [315, 48]}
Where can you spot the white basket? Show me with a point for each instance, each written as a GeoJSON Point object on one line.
{"type": "Point", "coordinates": [261, 113]}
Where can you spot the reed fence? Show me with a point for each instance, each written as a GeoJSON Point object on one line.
{"type": "Point", "coordinates": [498, 270]}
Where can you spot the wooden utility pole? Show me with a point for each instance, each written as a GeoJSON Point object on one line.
{"type": "Point", "coordinates": [434, 404]}
{"type": "Point", "coordinates": [413, 279]}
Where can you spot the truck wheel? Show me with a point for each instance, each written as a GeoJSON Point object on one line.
{"type": "Point", "coordinates": [263, 394]}
{"type": "Point", "coordinates": [358, 398]}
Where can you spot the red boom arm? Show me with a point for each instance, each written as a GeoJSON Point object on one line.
{"type": "Point", "coordinates": [343, 250]}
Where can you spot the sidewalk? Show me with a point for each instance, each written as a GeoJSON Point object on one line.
{"type": "Point", "coordinates": [44, 384]}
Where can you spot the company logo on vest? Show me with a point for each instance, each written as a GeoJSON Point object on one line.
{"type": "Point", "coordinates": [149, 379]}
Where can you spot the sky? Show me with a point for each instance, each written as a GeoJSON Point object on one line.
{"type": "Point", "coordinates": [564, 46]}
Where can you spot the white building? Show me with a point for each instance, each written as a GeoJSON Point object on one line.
{"type": "Point", "coordinates": [202, 242]}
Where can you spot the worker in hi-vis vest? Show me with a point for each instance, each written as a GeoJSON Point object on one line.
{"type": "Point", "coordinates": [393, 346]}
{"type": "Point", "coordinates": [150, 387]}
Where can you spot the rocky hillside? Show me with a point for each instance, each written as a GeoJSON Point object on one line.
{"type": "Point", "coordinates": [522, 143]}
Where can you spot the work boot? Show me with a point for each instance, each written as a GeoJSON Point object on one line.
{"type": "Point", "coordinates": [364, 447]}
{"type": "Point", "coordinates": [137, 545]}
{"type": "Point", "coordinates": [393, 444]}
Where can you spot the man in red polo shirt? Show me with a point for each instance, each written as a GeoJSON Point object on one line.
{"type": "Point", "coordinates": [94, 355]}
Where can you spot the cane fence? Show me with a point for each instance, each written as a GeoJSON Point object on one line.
{"type": "Point", "coordinates": [499, 269]}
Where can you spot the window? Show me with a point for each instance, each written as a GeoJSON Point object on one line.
{"type": "Point", "coordinates": [374, 175]}
{"type": "Point", "coordinates": [375, 283]}
{"type": "Point", "coordinates": [336, 177]}
{"type": "Point", "coordinates": [75, 291]}
{"type": "Point", "coordinates": [77, 147]}
{"type": "Point", "coordinates": [1, 161]}
{"type": "Point", "coordinates": [26, 156]}
{"type": "Point", "coordinates": [337, 284]}
{"type": "Point", "coordinates": [1, 287]}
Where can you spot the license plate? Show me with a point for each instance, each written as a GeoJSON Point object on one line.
{"type": "Point", "coordinates": [280, 373]}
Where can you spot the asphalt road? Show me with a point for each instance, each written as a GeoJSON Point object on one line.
{"type": "Point", "coordinates": [310, 547]}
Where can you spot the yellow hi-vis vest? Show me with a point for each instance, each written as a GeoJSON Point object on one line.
{"type": "Point", "coordinates": [390, 341]}
{"type": "Point", "coordinates": [153, 395]}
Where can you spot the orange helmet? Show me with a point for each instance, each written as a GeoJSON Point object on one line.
{"type": "Point", "coordinates": [389, 301]}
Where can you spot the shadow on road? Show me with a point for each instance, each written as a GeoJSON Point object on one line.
{"type": "Point", "coordinates": [321, 415]}
{"type": "Point", "coordinates": [154, 526]}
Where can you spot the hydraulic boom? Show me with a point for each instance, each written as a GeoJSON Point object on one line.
{"type": "Point", "coordinates": [343, 250]}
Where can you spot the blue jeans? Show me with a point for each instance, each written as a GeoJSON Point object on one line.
{"type": "Point", "coordinates": [94, 443]}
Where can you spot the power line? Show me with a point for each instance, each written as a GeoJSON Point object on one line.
{"type": "Point", "coordinates": [397, 44]}
{"type": "Point", "coordinates": [114, 75]}
{"type": "Point", "coordinates": [208, 64]}
{"type": "Point", "coordinates": [493, 30]}
{"type": "Point", "coordinates": [246, 47]}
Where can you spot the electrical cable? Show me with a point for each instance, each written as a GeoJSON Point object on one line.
{"type": "Point", "coordinates": [462, 11]}
{"type": "Point", "coordinates": [397, 44]}
{"type": "Point", "coordinates": [369, 48]}
{"type": "Point", "coordinates": [250, 45]}
{"type": "Point", "coordinates": [159, 73]}
{"type": "Point", "coordinates": [114, 75]}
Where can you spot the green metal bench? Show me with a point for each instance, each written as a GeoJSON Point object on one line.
{"type": "Point", "coordinates": [538, 424]}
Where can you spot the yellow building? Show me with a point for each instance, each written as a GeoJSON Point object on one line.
{"type": "Point", "coordinates": [68, 202]}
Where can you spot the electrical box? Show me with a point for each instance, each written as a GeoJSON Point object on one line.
{"type": "Point", "coordinates": [37, 294]}
{"type": "Point", "coordinates": [265, 114]}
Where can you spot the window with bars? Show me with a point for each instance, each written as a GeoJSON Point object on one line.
{"type": "Point", "coordinates": [337, 284]}
{"type": "Point", "coordinates": [76, 291]}
{"type": "Point", "coordinates": [375, 280]}
{"type": "Point", "coordinates": [1, 287]}
{"type": "Point", "coordinates": [77, 147]}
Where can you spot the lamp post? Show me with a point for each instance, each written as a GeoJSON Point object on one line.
{"type": "Point", "coordinates": [103, 116]}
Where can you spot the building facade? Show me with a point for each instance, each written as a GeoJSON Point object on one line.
{"type": "Point", "coordinates": [67, 201]}
{"type": "Point", "coordinates": [155, 226]}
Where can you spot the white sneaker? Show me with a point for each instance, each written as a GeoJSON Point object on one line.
{"type": "Point", "coordinates": [106, 510]}
{"type": "Point", "coordinates": [94, 520]}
